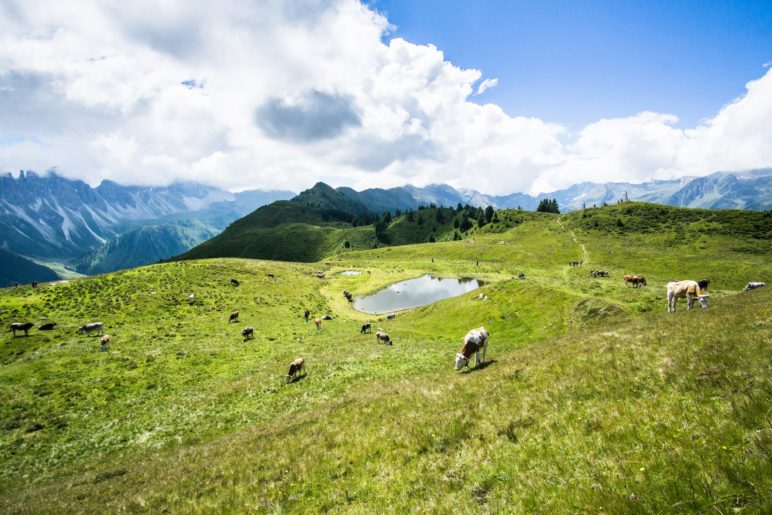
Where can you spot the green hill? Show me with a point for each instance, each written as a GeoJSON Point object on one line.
{"type": "Point", "coordinates": [17, 269]}
{"type": "Point", "coordinates": [595, 399]}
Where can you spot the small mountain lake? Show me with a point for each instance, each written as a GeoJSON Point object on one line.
{"type": "Point", "coordinates": [351, 272]}
{"type": "Point", "coordinates": [413, 293]}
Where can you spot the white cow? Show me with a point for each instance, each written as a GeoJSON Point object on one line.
{"type": "Point", "coordinates": [680, 289]}
{"type": "Point", "coordinates": [474, 341]}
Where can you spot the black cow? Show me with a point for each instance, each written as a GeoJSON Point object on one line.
{"type": "Point", "coordinates": [47, 327]}
{"type": "Point", "coordinates": [235, 282]}
{"type": "Point", "coordinates": [248, 333]}
{"type": "Point", "coordinates": [22, 326]}
{"type": "Point", "coordinates": [703, 284]}
{"type": "Point", "coordinates": [366, 328]}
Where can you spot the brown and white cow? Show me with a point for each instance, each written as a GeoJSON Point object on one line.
{"type": "Point", "coordinates": [103, 342]}
{"type": "Point", "coordinates": [684, 289]}
{"type": "Point", "coordinates": [297, 365]}
{"type": "Point", "coordinates": [474, 341]}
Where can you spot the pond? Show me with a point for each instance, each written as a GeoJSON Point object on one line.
{"type": "Point", "coordinates": [351, 272]}
{"type": "Point", "coordinates": [413, 293]}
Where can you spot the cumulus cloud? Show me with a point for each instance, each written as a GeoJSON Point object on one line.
{"type": "Point", "coordinates": [313, 116]}
{"type": "Point", "coordinates": [284, 93]}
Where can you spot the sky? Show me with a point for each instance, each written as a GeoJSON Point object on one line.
{"type": "Point", "coordinates": [279, 94]}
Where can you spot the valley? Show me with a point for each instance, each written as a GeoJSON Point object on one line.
{"type": "Point", "coordinates": [594, 398]}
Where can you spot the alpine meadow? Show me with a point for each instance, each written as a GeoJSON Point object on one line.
{"type": "Point", "coordinates": [592, 399]}
{"type": "Point", "coordinates": [385, 256]}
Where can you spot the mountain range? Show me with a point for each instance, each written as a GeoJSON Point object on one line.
{"type": "Point", "coordinates": [96, 230]}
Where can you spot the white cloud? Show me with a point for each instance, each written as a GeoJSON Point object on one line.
{"type": "Point", "coordinates": [281, 94]}
{"type": "Point", "coordinates": [486, 85]}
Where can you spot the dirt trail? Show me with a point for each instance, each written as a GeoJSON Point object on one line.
{"type": "Point", "coordinates": [585, 254]}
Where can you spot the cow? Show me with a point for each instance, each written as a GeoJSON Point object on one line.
{"type": "Point", "coordinates": [191, 298]}
{"type": "Point", "coordinates": [22, 326]}
{"type": "Point", "coordinates": [703, 284]}
{"type": "Point", "coordinates": [680, 289]}
{"type": "Point", "coordinates": [34, 284]}
{"type": "Point", "coordinates": [233, 317]}
{"type": "Point", "coordinates": [753, 286]}
{"type": "Point", "coordinates": [391, 316]}
{"type": "Point", "coordinates": [103, 342]}
{"type": "Point", "coordinates": [348, 296]}
{"type": "Point", "coordinates": [366, 328]}
{"type": "Point", "coordinates": [599, 273]}
{"type": "Point", "coordinates": [306, 314]}
{"type": "Point", "coordinates": [235, 282]}
{"type": "Point", "coordinates": [248, 332]}
{"type": "Point", "coordinates": [474, 341]}
{"type": "Point", "coordinates": [48, 326]}
{"type": "Point", "coordinates": [521, 275]}
{"type": "Point", "coordinates": [297, 365]}
{"type": "Point", "coordinates": [91, 327]}
{"type": "Point", "coordinates": [318, 322]}
{"type": "Point", "coordinates": [327, 317]}
{"type": "Point", "coordinates": [270, 276]}
{"type": "Point", "coordinates": [639, 281]}
{"type": "Point", "coordinates": [380, 336]}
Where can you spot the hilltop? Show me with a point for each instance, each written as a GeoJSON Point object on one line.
{"type": "Point", "coordinates": [595, 399]}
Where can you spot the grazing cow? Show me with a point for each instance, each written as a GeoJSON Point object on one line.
{"type": "Point", "coordinates": [235, 282]}
{"type": "Point", "coordinates": [248, 333]}
{"type": "Point", "coordinates": [306, 314]}
{"type": "Point", "coordinates": [48, 326]}
{"type": "Point", "coordinates": [234, 317]}
{"type": "Point", "coordinates": [348, 296]}
{"type": "Point", "coordinates": [297, 365]}
{"type": "Point", "coordinates": [474, 341]}
{"type": "Point", "coordinates": [22, 326]}
{"type": "Point", "coordinates": [753, 286]}
{"type": "Point", "coordinates": [327, 317]}
{"type": "Point", "coordinates": [318, 322]}
{"type": "Point", "coordinates": [380, 336]}
{"type": "Point", "coordinates": [703, 284]}
{"type": "Point", "coordinates": [270, 276]}
{"type": "Point", "coordinates": [34, 284]}
{"type": "Point", "coordinates": [688, 289]}
{"type": "Point", "coordinates": [103, 342]}
{"type": "Point", "coordinates": [639, 281]}
{"type": "Point", "coordinates": [599, 273]}
{"type": "Point", "coordinates": [92, 327]}
{"type": "Point", "coordinates": [366, 328]}
{"type": "Point", "coordinates": [391, 316]}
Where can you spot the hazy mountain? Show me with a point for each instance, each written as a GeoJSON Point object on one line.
{"type": "Point", "coordinates": [144, 245]}
{"type": "Point", "coordinates": [738, 190]}
{"type": "Point", "coordinates": [49, 216]}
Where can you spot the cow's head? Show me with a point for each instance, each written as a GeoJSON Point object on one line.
{"type": "Point", "coordinates": [703, 299]}
{"type": "Point", "coordinates": [461, 361]}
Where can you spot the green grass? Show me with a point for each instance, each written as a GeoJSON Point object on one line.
{"type": "Point", "coordinates": [596, 400]}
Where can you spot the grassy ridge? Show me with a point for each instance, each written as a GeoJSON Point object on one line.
{"type": "Point", "coordinates": [596, 400]}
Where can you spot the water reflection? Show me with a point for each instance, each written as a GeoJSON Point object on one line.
{"type": "Point", "coordinates": [413, 293]}
{"type": "Point", "coordinates": [351, 272]}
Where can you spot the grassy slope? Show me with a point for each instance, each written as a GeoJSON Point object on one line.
{"type": "Point", "coordinates": [650, 412]}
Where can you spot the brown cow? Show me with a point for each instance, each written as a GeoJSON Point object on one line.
{"type": "Point", "coordinates": [680, 289]}
{"type": "Point", "coordinates": [297, 365]}
{"type": "Point", "coordinates": [318, 322]}
{"type": "Point", "coordinates": [234, 317]}
{"type": "Point", "coordinates": [103, 342]}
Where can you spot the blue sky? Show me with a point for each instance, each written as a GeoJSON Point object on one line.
{"type": "Point", "coordinates": [575, 62]}
{"type": "Point", "coordinates": [283, 94]}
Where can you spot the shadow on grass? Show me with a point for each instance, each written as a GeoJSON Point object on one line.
{"type": "Point", "coordinates": [479, 367]}
{"type": "Point", "coordinates": [297, 378]}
